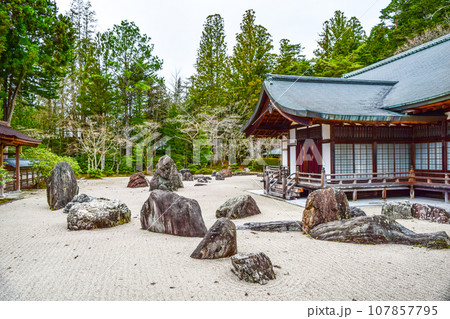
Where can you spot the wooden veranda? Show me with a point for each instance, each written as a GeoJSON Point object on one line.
{"type": "Point", "coordinates": [278, 182]}
{"type": "Point", "coordinates": [9, 137]}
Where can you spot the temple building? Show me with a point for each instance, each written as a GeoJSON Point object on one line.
{"type": "Point", "coordinates": [372, 128]}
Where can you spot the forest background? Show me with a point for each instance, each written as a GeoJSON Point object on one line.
{"type": "Point", "coordinates": [95, 98]}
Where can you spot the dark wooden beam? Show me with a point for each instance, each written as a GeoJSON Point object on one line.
{"type": "Point", "coordinates": [1, 165]}
{"type": "Point", "coordinates": [18, 167]}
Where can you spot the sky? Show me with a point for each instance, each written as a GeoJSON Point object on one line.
{"type": "Point", "coordinates": [175, 26]}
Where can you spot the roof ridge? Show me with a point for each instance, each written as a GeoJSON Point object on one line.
{"type": "Point", "coordinates": [399, 56]}
{"type": "Point", "coordinates": [295, 78]}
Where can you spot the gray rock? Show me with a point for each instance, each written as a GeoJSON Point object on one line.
{"type": "Point", "coordinates": [356, 212]}
{"type": "Point", "coordinates": [213, 174]}
{"type": "Point", "coordinates": [170, 213]}
{"type": "Point", "coordinates": [219, 241]}
{"type": "Point", "coordinates": [97, 213]}
{"type": "Point", "coordinates": [238, 207]}
{"type": "Point", "coordinates": [279, 226]}
{"type": "Point", "coordinates": [166, 176]}
{"type": "Point", "coordinates": [202, 177]}
{"type": "Point", "coordinates": [323, 206]}
{"type": "Point", "coordinates": [82, 198]}
{"type": "Point", "coordinates": [397, 210]}
{"type": "Point", "coordinates": [185, 170]}
{"type": "Point", "coordinates": [377, 230]}
{"type": "Point", "coordinates": [61, 186]}
{"type": "Point", "coordinates": [255, 268]}
{"type": "Point", "coordinates": [219, 177]}
{"type": "Point", "coordinates": [187, 176]}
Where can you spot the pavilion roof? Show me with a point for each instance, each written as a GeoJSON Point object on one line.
{"type": "Point", "coordinates": [12, 137]}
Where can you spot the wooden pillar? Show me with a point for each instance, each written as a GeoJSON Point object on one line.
{"type": "Point", "coordinates": [1, 165]}
{"type": "Point", "coordinates": [18, 149]}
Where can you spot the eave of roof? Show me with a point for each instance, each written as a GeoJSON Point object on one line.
{"type": "Point", "coordinates": [10, 137]}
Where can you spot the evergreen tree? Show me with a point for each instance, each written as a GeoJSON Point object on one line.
{"type": "Point", "coordinates": [251, 60]}
{"type": "Point", "coordinates": [207, 89]}
{"type": "Point", "coordinates": [290, 61]}
{"type": "Point", "coordinates": [413, 17]}
{"type": "Point", "coordinates": [339, 45]}
{"type": "Point", "coordinates": [37, 45]}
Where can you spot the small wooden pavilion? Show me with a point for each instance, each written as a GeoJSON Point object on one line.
{"type": "Point", "coordinates": [385, 127]}
{"type": "Point", "coordinates": [11, 137]}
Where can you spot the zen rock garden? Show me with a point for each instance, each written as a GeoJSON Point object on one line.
{"type": "Point", "coordinates": [327, 216]}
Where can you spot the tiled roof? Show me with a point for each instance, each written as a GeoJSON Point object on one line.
{"type": "Point", "coordinates": [378, 92]}
{"type": "Point", "coordinates": [423, 74]}
{"type": "Point", "coordinates": [330, 98]}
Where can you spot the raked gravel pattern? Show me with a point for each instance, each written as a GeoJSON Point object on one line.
{"type": "Point", "coordinates": [40, 259]}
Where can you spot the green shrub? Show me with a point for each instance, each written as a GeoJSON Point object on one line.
{"type": "Point", "coordinates": [205, 171]}
{"type": "Point", "coordinates": [94, 173]}
{"type": "Point", "coordinates": [45, 161]}
{"type": "Point", "coordinates": [108, 172]}
{"type": "Point", "coordinates": [4, 176]}
{"type": "Point", "coordinates": [272, 161]}
{"type": "Point", "coordinates": [192, 167]}
{"type": "Point", "coordinates": [235, 167]}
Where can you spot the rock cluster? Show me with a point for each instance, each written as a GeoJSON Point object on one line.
{"type": "Point", "coordinates": [138, 180]}
{"type": "Point", "coordinates": [323, 206]}
{"type": "Point", "coordinates": [170, 213]}
{"type": "Point", "coordinates": [86, 212]}
{"type": "Point", "coordinates": [166, 175]}
{"type": "Point", "coordinates": [219, 241]}
{"type": "Point", "coordinates": [219, 177]}
{"type": "Point", "coordinates": [255, 268]}
{"type": "Point", "coordinates": [238, 207]}
{"type": "Point", "coordinates": [61, 186]}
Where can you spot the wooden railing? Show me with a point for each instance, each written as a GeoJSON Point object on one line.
{"type": "Point", "coordinates": [278, 177]}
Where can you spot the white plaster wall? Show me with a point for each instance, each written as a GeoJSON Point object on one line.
{"type": "Point", "coordinates": [284, 158]}
{"type": "Point", "coordinates": [292, 159]}
{"type": "Point", "coordinates": [326, 157]}
{"type": "Point", "coordinates": [326, 131]}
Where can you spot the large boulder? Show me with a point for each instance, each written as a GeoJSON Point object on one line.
{"type": "Point", "coordinates": [170, 213]}
{"type": "Point", "coordinates": [238, 207]}
{"type": "Point", "coordinates": [185, 170]}
{"type": "Point", "coordinates": [97, 213]}
{"type": "Point", "coordinates": [431, 213]}
{"type": "Point", "coordinates": [377, 230]}
{"type": "Point", "coordinates": [397, 210]}
{"type": "Point", "coordinates": [219, 241]}
{"type": "Point", "coordinates": [166, 175]}
{"type": "Point", "coordinates": [138, 180]}
{"type": "Point", "coordinates": [219, 177]}
{"type": "Point", "coordinates": [255, 268]}
{"type": "Point", "coordinates": [323, 206]}
{"type": "Point", "coordinates": [61, 186]}
{"type": "Point", "coordinates": [81, 198]}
